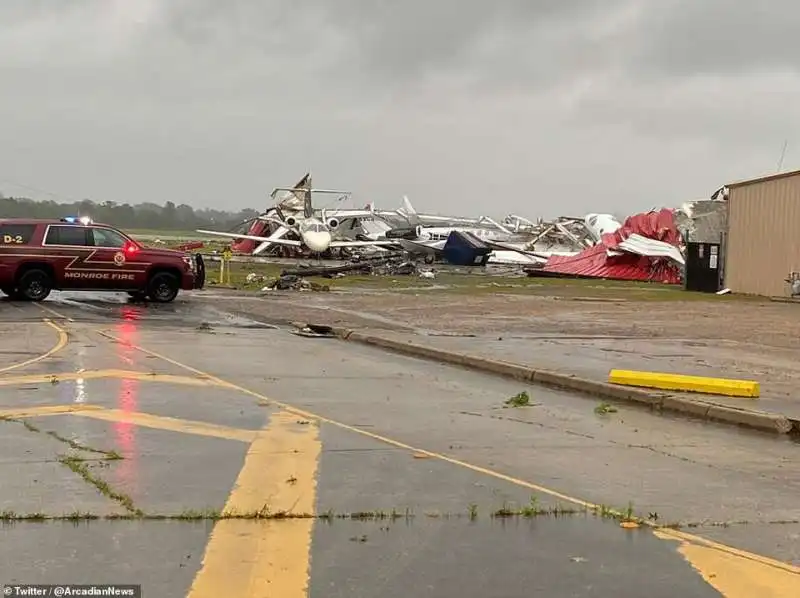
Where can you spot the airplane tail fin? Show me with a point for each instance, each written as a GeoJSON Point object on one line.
{"type": "Point", "coordinates": [409, 212]}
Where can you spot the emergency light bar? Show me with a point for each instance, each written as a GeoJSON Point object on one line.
{"type": "Point", "coordinates": [77, 220]}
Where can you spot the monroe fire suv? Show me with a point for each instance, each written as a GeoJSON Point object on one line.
{"type": "Point", "coordinates": [37, 256]}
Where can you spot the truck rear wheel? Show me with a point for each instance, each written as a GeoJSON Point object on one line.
{"type": "Point", "coordinates": [163, 287]}
{"type": "Point", "coordinates": [34, 285]}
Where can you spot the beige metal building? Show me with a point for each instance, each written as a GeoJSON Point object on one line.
{"type": "Point", "coordinates": [762, 246]}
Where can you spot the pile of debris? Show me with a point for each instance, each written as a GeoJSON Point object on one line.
{"type": "Point", "coordinates": [381, 266]}
{"type": "Point", "coordinates": [648, 246]}
{"type": "Point", "coordinates": [292, 282]}
{"type": "Point", "coordinates": [644, 248]}
{"type": "Point", "coordinates": [563, 235]}
{"type": "Point", "coordinates": [296, 280]}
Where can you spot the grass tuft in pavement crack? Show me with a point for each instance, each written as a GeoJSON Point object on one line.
{"type": "Point", "coordinates": [472, 511]}
{"type": "Point", "coordinates": [605, 408]}
{"type": "Point", "coordinates": [533, 509]}
{"type": "Point", "coordinates": [521, 399]}
{"type": "Point", "coordinates": [109, 455]}
{"type": "Point", "coordinates": [79, 466]}
{"type": "Point", "coordinates": [529, 511]}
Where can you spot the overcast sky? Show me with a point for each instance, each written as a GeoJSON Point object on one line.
{"type": "Point", "coordinates": [537, 107]}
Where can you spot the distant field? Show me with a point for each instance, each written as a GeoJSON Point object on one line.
{"type": "Point", "coordinates": [145, 233]}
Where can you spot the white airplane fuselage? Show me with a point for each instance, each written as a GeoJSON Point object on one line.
{"type": "Point", "coordinates": [315, 235]}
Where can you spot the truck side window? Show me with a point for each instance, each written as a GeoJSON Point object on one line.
{"type": "Point", "coordinates": [67, 235]}
{"type": "Point", "coordinates": [105, 237]}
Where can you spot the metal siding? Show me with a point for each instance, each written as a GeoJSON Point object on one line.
{"type": "Point", "coordinates": [763, 232]}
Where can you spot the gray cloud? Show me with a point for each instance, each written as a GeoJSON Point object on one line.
{"type": "Point", "coordinates": [679, 37]}
{"type": "Point", "coordinates": [546, 107]}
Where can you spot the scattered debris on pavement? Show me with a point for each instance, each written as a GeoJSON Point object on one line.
{"type": "Point", "coordinates": [313, 330]}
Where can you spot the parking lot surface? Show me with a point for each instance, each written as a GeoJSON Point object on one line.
{"type": "Point", "coordinates": [198, 453]}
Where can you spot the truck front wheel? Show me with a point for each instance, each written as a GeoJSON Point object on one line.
{"type": "Point", "coordinates": [163, 287]}
{"type": "Point", "coordinates": [34, 285]}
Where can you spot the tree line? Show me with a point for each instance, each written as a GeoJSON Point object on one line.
{"type": "Point", "coordinates": [147, 215]}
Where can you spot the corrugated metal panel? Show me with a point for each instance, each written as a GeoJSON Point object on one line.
{"type": "Point", "coordinates": [595, 262]}
{"type": "Point", "coordinates": [604, 261]}
{"type": "Point", "coordinates": [651, 248]}
{"type": "Point", "coordinates": [763, 240]}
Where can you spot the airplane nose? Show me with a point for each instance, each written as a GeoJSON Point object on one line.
{"type": "Point", "coordinates": [318, 241]}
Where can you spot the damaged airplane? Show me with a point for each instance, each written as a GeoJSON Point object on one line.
{"type": "Point", "coordinates": [647, 246]}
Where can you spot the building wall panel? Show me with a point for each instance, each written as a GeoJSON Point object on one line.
{"type": "Point", "coordinates": [763, 240]}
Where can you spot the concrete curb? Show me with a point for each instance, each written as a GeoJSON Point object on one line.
{"type": "Point", "coordinates": [709, 410]}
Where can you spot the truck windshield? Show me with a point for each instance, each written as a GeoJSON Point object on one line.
{"type": "Point", "coordinates": [105, 237]}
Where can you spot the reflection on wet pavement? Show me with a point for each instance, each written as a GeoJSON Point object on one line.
{"type": "Point", "coordinates": [90, 306]}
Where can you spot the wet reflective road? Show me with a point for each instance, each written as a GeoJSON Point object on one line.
{"type": "Point", "coordinates": [203, 454]}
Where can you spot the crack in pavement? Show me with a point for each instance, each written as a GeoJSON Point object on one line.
{"type": "Point", "coordinates": [619, 444]}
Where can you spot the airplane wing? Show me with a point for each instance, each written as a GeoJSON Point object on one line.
{"type": "Point", "coordinates": [434, 247]}
{"type": "Point", "coordinates": [346, 213]}
{"type": "Point", "coordinates": [251, 237]}
{"type": "Point", "coordinates": [362, 243]}
{"type": "Point", "coordinates": [504, 246]}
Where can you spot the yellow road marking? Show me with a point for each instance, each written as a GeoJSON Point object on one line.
{"type": "Point", "coordinates": [44, 410]}
{"type": "Point", "coordinates": [63, 339]}
{"type": "Point", "coordinates": [171, 424]}
{"type": "Point", "coordinates": [266, 558]}
{"type": "Point", "coordinates": [111, 373]}
{"type": "Point", "coordinates": [767, 562]}
{"type": "Point", "coordinates": [735, 576]}
{"type": "Point", "coordinates": [53, 312]}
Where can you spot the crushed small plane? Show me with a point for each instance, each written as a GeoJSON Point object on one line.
{"type": "Point", "coordinates": [428, 236]}
{"type": "Point", "coordinates": [314, 233]}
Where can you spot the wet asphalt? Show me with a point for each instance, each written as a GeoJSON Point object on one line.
{"type": "Point", "coordinates": [425, 483]}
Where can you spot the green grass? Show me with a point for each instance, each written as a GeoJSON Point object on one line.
{"type": "Point", "coordinates": [445, 282]}
{"type": "Point", "coordinates": [478, 285]}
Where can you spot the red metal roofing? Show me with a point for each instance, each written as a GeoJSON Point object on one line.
{"type": "Point", "coordinates": [595, 262]}
{"type": "Point", "coordinates": [257, 229]}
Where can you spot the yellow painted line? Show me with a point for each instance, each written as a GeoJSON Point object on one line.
{"type": "Point", "coordinates": [53, 312]}
{"type": "Point", "coordinates": [770, 565]}
{"type": "Point", "coordinates": [171, 424]}
{"type": "Point", "coordinates": [734, 575]}
{"type": "Point", "coordinates": [716, 386]}
{"type": "Point", "coordinates": [44, 410]}
{"type": "Point", "coordinates": [266, 558]}
{"type": "Point", "coordinates": [111, 373]}
{"type": "Point", "coordinates": [62, 341]}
